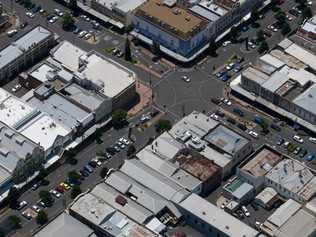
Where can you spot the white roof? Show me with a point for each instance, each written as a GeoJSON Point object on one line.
{"type": "Point", "coordinates": [216, 217]}
{"type": "Point", "coordinates": [302, 55]}
{"type": "Point", "coordinates": [122, 5]}
{"type": "Point", "coordinates": [284, 212]}
{"type": "Point", "coordinates": [108, 75]}
{"type": "Point", "coordinates": [68, 55]}
{"type": "Point", "coordinates": [266, 195]}
{"type": "Point", "coordinates": [44, 131]}
{"type": "Point", "coordinates": [273, 61]}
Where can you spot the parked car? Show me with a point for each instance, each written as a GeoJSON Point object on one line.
{"type": "Point", "coordinates": [10, 33]}
{"type": "Point", "coordinates": [231, 120]}
{"type": "Point", "coordinates": [238, 111]}
{"type": "Point", "coordinates": [245, 211]}
{"type": "Point", "coordinates": [303, 153]}
{"type": "Point", "coordinates": [242, 126]}
{"type": "Point", "coordinates": [214, 116]}
{"type": "Point", "coordinates": [186, 78]}
{"type": "Point", "coordinates": [312, 139]}
{"type": "Point", "coordinates": [298, 139]}
{"type": "Point", "coordinates": [310, 157]}
{"type": "Point", "coordinates": [280, 141]}
{"type": "Point", "coordinates": [275, 127]}
{"type": "Point", "coordinates": [36, 208]}
{"type": "Point", "coordinates": [36, 185]}
{"type": "Point", "coordinates": [297, 150]}
{"type": "Point", "coordinates": [88, 168]}
{"type": "Point", "coordinates": [55, 193]}
{"type": "Point", "coordinates": [27, 215]}
{"type": "Point", "coordinates": [253, 134]}
{"type": "Point", "coordinates": [84, 173]}
{"type": "Point", "coordinates": [21, 205]}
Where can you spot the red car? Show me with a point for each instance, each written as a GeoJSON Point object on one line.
{"type": "Point", "coordinates": [60, 189]}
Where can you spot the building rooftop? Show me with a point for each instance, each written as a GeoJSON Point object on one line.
{"type": "Point", "coordinates": [309, 190]}
{"type": "Point", "coordinates": [90, 100]}
{"type": "Point", "coordinates": [216, 217]}
{"type": "Point", "coordinates": [13, 111]}
{"type": "Point", "coordinates": [266, 195]}
{"type": "Point", "coordinates": [110, 77]}
{"type": "Point", "coordinates": [307, 99]}
{"type": "Point", "coordinates": [262, 162]}
{"type": "Point", "coordinates": [290, 174]}
{"type": "Point", "coordinates": [226, 140]}
{"type": "Point", "coordinates": [169, 170]}
{"type": "Point", "coordinates": [238, 188]}
{"type": "Point", "coordinates": [154, 180]}
{"type": "Point", "coordinates": [174, 19]}
{"type": "Point", "coordinates": [142, 195]}
{"type": "Point", "coordinates": [44, 131]}
{"type": "Point", "coordinates": [214, 8]}
{"type": "Point", "coordinates": [68, 55]}
{"type": "Point", "coordinates": [23, 44]}
{"type": "Point", "coordinates": [302, 54]}
{"type": "Point", "coordinates": [124, 6]}
{"type": "Point", "coordinates": [61, 110]}
{"type": "Point", "coordinates": [255, 75]}
{"type": "Point", "coordinates": [197, 165]}
{"type": "Point", "coordinates": [65, 225]}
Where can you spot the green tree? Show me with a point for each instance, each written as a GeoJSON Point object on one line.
{"type": "Point", "coordinates": [74, 177]}
{"type": "Point", "coordinates": [163, 125]}
{"type": "Point", "coordinates": [75, 191]}
{"type": "Point", "coordinates": [260, 35]}
{"type": "Point", "coordinates": [128, 53]}
{"type": "Point", "coordinates": [119, 117]}
{"type": "Point", "coordinates": [103, 172]}
{"type": "Point", "coordinates": [155, 48]}
{"type": "Point", "coordinates": [46, 197]}
{"type": "Point", "coordinates": [131, 150]}
{"type": "Point", "coordinates": [2, 234]}
{"type": "Point", "coordinates": [42, 173]}
{"type": "Point", "coordinates": [255, 15]}
{"type": "Point", "coordinates": [286, 28]}
{"type": "Point", "coordinates": [280, 16]}
{"type": "Point", "coordinates": [68, 21]}
{"type": "Point", "coordinates": [13, 196]}
{"type": "Point", "coordinates": [15, 221]}
{"type": "Point", "coordinates": [41, 217]}
{"type": "Point", "coordinates": [307, 13]}
{"type": "Point", "coordinates": [73, 4]}
{"type": "Point", "coordinates": [263, 47]}
{"type": "Point", "coordinates": [70, 156]}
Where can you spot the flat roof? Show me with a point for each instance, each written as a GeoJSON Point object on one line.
{"type": "Point", "coordinates": [65, 225]}
{"type": "Point", "coordinates": [68, 55]}
{"type": "Point", "coordinates": [61, 110]}
{"type": "Point", "coordinates": [262, 162]}
{"type": "Point", "coordinates": [209, 15]}
{"type": "Point", "coordinates": [216, 217]}
{"type": "Point", "coordinates": [154, 180]}
{"type": "Point", "coordinates": [213, 7]}
{"type": "Point", "coordinates": [111, 77]}
{"type": "Point", "coordinates": [273, 61]}
{"type": "Point", "coordinates": [255, 75]}
{"type": "Point", "coordinates": [226, 139]}
{"type": "Point", "coordinates": [89, 99]}
{"type": "Point", "coordinates": [168, 169]}
{"type": "Point", "coordinates": [266, 195]}
{"type": "Point", "coordinates": [307, 99]}
{"type": "Point", "coordinates": [173, 19]}
{"type": "Point", "coordinates": [276, 80]}
{"type": "Point", "coordinates": [44, 131]}
{"type": "Point", "coordinates": [122, 5]}
{"type": "Point", "coordinates": [309, 190]}
{"type": "Point", "coordinates": [21, 45]}
{"type": "Point", "coordinates": [302, 54]}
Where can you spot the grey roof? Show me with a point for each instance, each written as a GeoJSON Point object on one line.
{"type": "Point", "coordinates": [255, 75]}
{"type": "Point", "coordinates": [60, 109]}
{"type": "Point", "coordinates": [307, 100]}
{"type": "Point", "coordinates": [169, 170]}
{"type": "Point", "coordinates": [17, 48]}
{"type": "Point", "coordinates": [13, 147]}
{"type": "Point", "coordinates": [154, 180]}
{"type": "Point", "coordinates": [131, 209]}
{"type": "Point", "coordinates": [275, 81]}
{"type": "Point", "coordinates": [144, 196]}
{"type": "Point", "coordinates": [86, 98]}
{"type": "Point", "coordinates": [65, 225]}
{"type": "Point", "coordinates": [226, 139]}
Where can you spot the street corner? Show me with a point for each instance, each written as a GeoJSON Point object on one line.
{"type": "Point", "coordinates": [145, 96]}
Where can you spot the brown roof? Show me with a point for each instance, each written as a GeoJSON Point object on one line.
{"type": "Point", "coordinates": [262, 162]}
{"type": "Point", "coordinates": [173, 19]}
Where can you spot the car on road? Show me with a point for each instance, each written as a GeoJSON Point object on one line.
{"type": "Point", "coordinates": [245, 211]}
{"type": "Point", "coordinates": [310, 157]}
{"type": "Point", "coordinates": [36, 208]}
{"type": "Point", "coordinates": [21, 205]}
{"type": "Point", "coordinates": [312, 139]}
{"type": "Point", "coordinates": [298, 139]}
{"type": "Point", "coordinates": [186, 78]}
{"type": "Point", "coordinates": [253, 134]}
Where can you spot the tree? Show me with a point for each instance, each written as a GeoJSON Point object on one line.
{"type": "Point", "coordinates": [15, 221]}
{"type": "Point", "coordinates": [70, 156]}
{"type": "Point", "coordinates": [103, 172]}
{"type": "Point", "coordinates": [155, 48]}
{"type": "Point", "coordinates": [68, 21]}
{"type": "Point", "coordinates": [13, 196]}
{"type": "Point", "coordinates": [75, 191]}
{"type": "Point", "coordinates": [46, 197]}
{"type": "Point", "coordinates": [128, 53]}
{"type": "Point", "coordinates": [119, 118]}
{"type": "Point", "coordinates": [260, 35]}
{"type": "Point", "coordinates": [131, 150]}
{"type": "Point", "coordinates": [307, 13]}
{"type": "Point", "coordinates": [2, 234]}
{"type": "Point", "coordinates": [163, 125]}
{"type": "Point", "coordinates": [286, 28]}
{"type": "Point", "coordinates": [42, 173]}
{"type": "Point", "coordinates": [74, 177]}
{"type": "Point", "coordinates": [41, 217]}
{"type": "Point", "coordinates": [263, 47]}
{"type": "Point", "coordinates": [255, 15]}
{"type": "Point", "coordinates": [280, 16]}
{"type": "Point", "coordinates": [73, 5]}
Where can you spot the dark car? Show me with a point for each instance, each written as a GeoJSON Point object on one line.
{"type": "Point", "coordinates": [231, 120]}
{"type": "Point", "coordinates": [242, 127]}
{"type": "Point", "coordinates": [275, 127]}
{"type": "Point", "coordinates": [23, 25]}
{"type": "Point", "coordinates": [303, 153]}
{"type": "Point", "coordinates": [220, 113]}
{"type": "Point", "coordinates": [84, 173]}
{"type": "Point", "coordinates": [111, 150]}
{"type": "Point", "coordinates": [93, 164]}
{"type": "Point", "coordinates": [238, 111]}
{"type": "Point", "coordinates": [88, 168]}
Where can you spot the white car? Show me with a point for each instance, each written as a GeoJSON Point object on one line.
{"type": "Point", "coordinates": [10, 33]}
{"type": "Point", "coordinates": [27, 215]}
{"type": "Point", "coordinates": [245, 211]}
{"type": "Point", "coordinates": [309, 3]}
{"type": "Point", "coordinates": [53, 20]}
{"type": "Point", "coordinates": [289, 18]}
{"type": "Point", "coordinates": [227, 102]}
{"type": "Point", "coordinates": [22, 204]}
{"type": "Point", "coordinates": [230, 66]}
{"type": "Point", "coordinates": [127, 142]}
{"type": "Point", "coordinates": [214, 116]}
{"type": "Point", "coordinates": [253, 134]}
{"type": "Point", "coordinates": [82, 34]}
{"type": "Point", "coordinates": [36, 208]}
{"type": "Point", "coordinates": [55, 193]}
{"type": "Point", "coordinates": [87, 36]}
{"type": "Point", "coordinates": [298, 139]}
{"type": "Point", "coordinates": [30, 14]}
{"type": "Point", "coordinates": [312, 139]}
{"type": "Point", "coordinates": [186, 78]}
{"type": "Point", "coordinates": [226, 43]}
